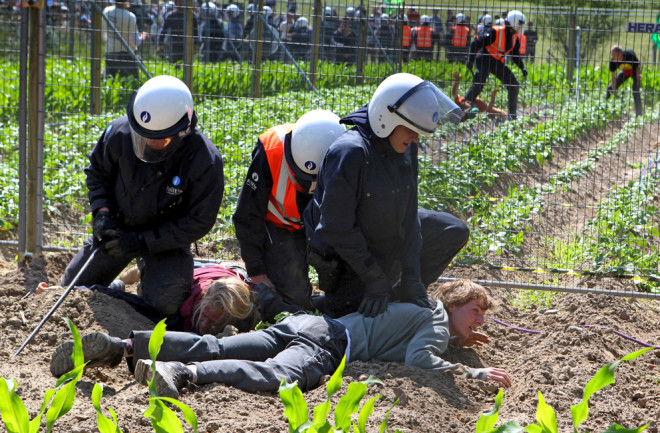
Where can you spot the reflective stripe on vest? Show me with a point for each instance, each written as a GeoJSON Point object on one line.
{"type": "Point", "coordinates": [424, 37]}
{"type": "Point", "coordinates": [460, 36]}
{"type": "Point", "coordinates": [282, 205]}
{"type": "Point", "coordinates": [498, 48]}
{"type": "Point", "coordinates": [523, 44]}
{"type": "Point", "coordinates": [406, 36]}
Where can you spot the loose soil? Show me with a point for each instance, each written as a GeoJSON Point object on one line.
{"type": "Point", "coordinates": [558, 361]}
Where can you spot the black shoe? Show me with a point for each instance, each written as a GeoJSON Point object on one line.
{"type": "Point", "coordinates": [100, 350]}
{"type": "Point", "coordinates": [171, 376]}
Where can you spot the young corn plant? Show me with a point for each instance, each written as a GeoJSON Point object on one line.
{"type": "Point", "coordinates": [297, 412]}
{"type": "Point", "coordinates": [105, 424]}
{"type": "Point", "coordinates": [545, 414]}
{"type": "Point", "coordinates": [163, 419]}
{"type": "Point", "coordinates": [61, 399]}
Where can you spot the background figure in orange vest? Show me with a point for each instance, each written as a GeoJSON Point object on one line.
{"type": "Point", "coordinates": [278, 186]}
{"type": "Point", "coordinates": [480, 105]}
{"type": "Point", "coordinates": [458, 50]}
{"type": "Point", "coordinates": [491, 49]}
{"type": "Point", "coordinates": [532, 37]}
{"type": "Point", "coordinates": [424, 38]}
{"type": "Point", "coordinates": [405, 38]}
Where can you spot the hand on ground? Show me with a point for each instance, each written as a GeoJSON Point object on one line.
{"type": "Point", "coordinates": [498, 375]}
{"type": "Point", "coordinates": [263, 279]}
{"type": "Point", "coordinates": [476, 339]}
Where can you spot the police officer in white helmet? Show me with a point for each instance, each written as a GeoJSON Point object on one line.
{"type": "Point", "coordinates": [155, 186]}
{"type": "Point", "coordinates": [364, 227]}
{"type": "Point", "coordinates": [277, 188]}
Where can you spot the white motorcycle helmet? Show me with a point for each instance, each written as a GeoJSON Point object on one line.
{"type": "Point", "coordinates": [311, 136]}
{"type": "Point", "coordinates": [160, 114]}
{"type": "Point", "coordinates": [516, 20]}
{"type": "Point", "coordinates": [487, 20]}
{"type": "Point", "coordinates": [232, 11]}
{"type": "Point", "coordinates": [301, 23]}
{"type": "Point", "coordinates": [425, 19]}
{"type": "Point", "coordinates": [405, 99]}
{"type": "Point", "coordinates": [209, 11]}
{"type": "Point", "coordinates": [267, 11]}
{"type": "Point", "coordinates": [460, 19]}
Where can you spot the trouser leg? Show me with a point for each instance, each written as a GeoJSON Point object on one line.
{"type": "Point", "coordinates": [285, 257]}
{"type": "Point", "coordinates": [165, 279]}
{"type": "Point", "coordinates": [481, 74]}
{"type": "Point", "coordinates": [639, 110]}
{"type": "Point", "coordinates": [301, 348]}
{"type": "Point", "coordinates": [443, 236]}
{"type": "Point", "coordinates": [101, 270]}
{"type": "Point", "coordinates": [620, 79]}
{"type": "Point", "coordinates": [504, 74]}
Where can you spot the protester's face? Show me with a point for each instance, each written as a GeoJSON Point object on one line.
{"type": "Point", "coordinates": [617, 56]}
{"type": "Point", "coordinates": [402, 137]}
{"type": "Point", "coordinates": [465, 318]}
{"type": "Point", "coordinates": [212, 320]}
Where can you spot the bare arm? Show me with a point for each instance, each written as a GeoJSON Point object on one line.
{"type": "Point", "coordinates": [614, 82]}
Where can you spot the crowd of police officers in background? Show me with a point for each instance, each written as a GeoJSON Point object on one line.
{"type": "Point", "coordinates": [227, 31]}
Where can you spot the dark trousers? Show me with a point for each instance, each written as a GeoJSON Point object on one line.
{"type": "Point", "coordinates": [620, 79]}
{"type": "Point", "coordinates": [487, 65]}
{"type": "Point", "coordinates": [301, 348]}
{"type": "Point", "coordinates": [165, 278]}
{"type": "Point", "coordinates": [443, 236]}
{"type": "Point", "coordinates": [285, 257]}
{"type": "Point", "coordinates": [122, 64]}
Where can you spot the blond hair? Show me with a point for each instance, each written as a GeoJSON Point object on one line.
{"type": "Point", "coordinates": [228, 294]}
{"type": "Point", "coordinates": [460, 292]}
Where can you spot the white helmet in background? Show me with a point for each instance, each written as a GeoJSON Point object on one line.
{"type": "Point", "coordinates": [405, 99]}
{"type": "Point", "coordinates": [487, 20]}
{"type": "Point", "coordinates": [233, 11]}
{"type": "Point", "coordinates": [311, 136]}
{"type": "Point", "coordinates": [350, 11]}
{"type": "Point", "coordinates": [267, 11]}
{"type": "Point", "coordinates": [460, 18]}
{"type": "Point", "coordinates": [516, 20]}
{"type": "Point", "coordinates": [301, 23]}
{"type": "Point", "coordinates": [500, 22]}
{"type": "Point", "coordinates": [425, 19]}
{"type": "Point", "coordinates": [209, 10]}
{"type": "Point", "coordinates": [327, 11]}
{"type": "Point", "coordinates": [251, 8]}
{"type": "Point", "coordinates": [161, 115]}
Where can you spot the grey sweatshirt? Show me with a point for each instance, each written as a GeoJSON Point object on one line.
{"type": "Point", "coordinates": [405, 333]}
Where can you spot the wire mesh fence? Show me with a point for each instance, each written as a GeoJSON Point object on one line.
{"type": "Point", "coordinates": [566, 190]}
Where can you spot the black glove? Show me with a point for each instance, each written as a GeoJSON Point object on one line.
{"type": "Point", "coordinates": [124, 243]}
{"type": "Point", "coordinates": [524, 72]}
{"type": "Point", "coordinates": [328, 271]}
{"type": "Point", "coordinates": [376, 298]}
{"type": "Point", "coordinates": [103, 223]}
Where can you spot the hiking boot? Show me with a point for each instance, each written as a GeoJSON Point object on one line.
{"type": "Point", "coordinates": [100, 350]}
{"type": "Point", "coordinates": [171, 376]}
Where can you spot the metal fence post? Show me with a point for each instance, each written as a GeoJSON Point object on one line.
{"type": "Point", "coordinates": [95, 64]}
{"type": "Point", "coordinates": [189, 46]}
{"type": "Point", "coordinates": [256, 72]}
{"type": "Point", "coordinates": [577, 65]}
{"type": "Point", "coordinates": [316, 38]}
{"type": "Point", "coordinates": [571, 44]}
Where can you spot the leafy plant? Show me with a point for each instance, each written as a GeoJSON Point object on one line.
{"type": "Point", "coordinates": [163, 419]}
{"type": "Point", "coordinates": [297, 412]}
{"type": "Point", "coordinates": [545, 414]}
{"type": "Point", "coordinates": [60, 399]}
{"type": "Point", "coordinates": [105, 424]}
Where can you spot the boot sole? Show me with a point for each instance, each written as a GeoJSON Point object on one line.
{"type": "Point", "coordinates": [98, 351]}
{"type": "Point", "coordinates": [165, 386]}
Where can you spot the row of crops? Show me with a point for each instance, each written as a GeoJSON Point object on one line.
{"type": "Point", "coordinates": [458, 172]}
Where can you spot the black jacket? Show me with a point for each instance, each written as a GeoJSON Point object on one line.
{"type": "Point", "coordinates": [252, 207]}
{"type": "Point", "coordinates": [173, 202]}
{"type": "Point", "coordinates": [364, 208]}
{"type": "Point", "coordinates": [487, 37]}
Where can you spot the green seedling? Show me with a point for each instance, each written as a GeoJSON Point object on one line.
{"type": "Point", "coordinates": [163, 419]}
{"type": "Point", "coordinates": [58, 401]}
{"type": "Point", "coordinates": [546, 417]}
{"type": "Point", "coordinates": [105, 424]}
{"type": "Point", "coordinates": [296, 409]}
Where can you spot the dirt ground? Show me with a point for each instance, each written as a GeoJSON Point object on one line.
{"type": "Point", "coordinates": [578, 335]}
{"type": "Point", "coordinates": [558, 362]}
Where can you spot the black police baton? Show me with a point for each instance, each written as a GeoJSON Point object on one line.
{"type": "Point", "coordinates": [57, 304]}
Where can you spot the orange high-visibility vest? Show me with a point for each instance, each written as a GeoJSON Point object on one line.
{"type": "Point", "coordinates": [460, 35]}
{"type": "Point", "coordinates": [424, 37]}
{"type": "Point", "coordinates": [498, 48]}
{"type": "Point", "coordinates": [523, 44]}
{"type": "Point", "coordinates": [282, 205]}
{"type": "Point", "coordinates": [406, 35]}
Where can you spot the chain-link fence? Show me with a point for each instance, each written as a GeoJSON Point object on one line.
{"type": "Point", "coordinates": [565, 191]}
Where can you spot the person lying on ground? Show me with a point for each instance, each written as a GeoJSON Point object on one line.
{"type": "Point", "coordinates": [479, 104]}
{"type": "Point", "coordinates": [303, 347]}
